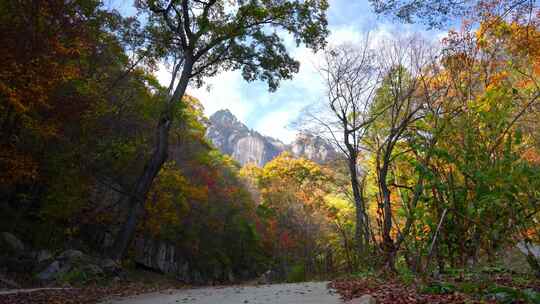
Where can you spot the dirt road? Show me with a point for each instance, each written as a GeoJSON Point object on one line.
{"type": "Point", "coordinates": [298, 293]}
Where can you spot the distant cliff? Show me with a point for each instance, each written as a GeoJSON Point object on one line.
{"type": "Point", "coordinates": [313, 147]}
{"type": "Point", "coordinates": [234, 138]}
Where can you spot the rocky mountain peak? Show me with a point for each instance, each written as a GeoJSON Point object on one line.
{"type": "Point", "coordinates": [234, 138]}
{"type": "Point", "coordinates": [224, 118]}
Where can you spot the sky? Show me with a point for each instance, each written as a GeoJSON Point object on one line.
{"type": "Point", "coordinates": [271, 114]}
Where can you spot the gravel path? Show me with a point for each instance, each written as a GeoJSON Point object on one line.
{"type": "Point", "coordinates": [299, 293]}
{"type": "Point", "coordinates": [15, 291]}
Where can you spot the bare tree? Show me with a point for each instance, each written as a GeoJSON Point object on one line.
{"type": "Point", "coordinates": [350, 79]}
{"type": "Point", "coordinates": [441, 13]}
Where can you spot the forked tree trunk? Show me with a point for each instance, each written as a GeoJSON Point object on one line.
{"type": "Point", "coordinates": [361, 236]}
{"type": "Point", "coordinates": [135, 201]}
{"type": "Point", "coordinates": [388, 245]}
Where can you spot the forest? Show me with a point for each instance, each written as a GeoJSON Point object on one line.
{"type": "Point", "coordinates": [109, 185]}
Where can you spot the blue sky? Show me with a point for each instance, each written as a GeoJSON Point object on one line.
{"type": "Point", "coordinates": [272, 113]}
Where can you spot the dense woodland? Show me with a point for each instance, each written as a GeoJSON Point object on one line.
{"type": "Point", "coordinates": [439, 141]}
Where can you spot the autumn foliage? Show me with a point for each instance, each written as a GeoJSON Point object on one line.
{"type": "Point", "coordinates": [445, 174]}
{"type": "Point", "coordinates": [77, 111]}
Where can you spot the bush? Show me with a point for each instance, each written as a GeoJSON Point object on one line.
{"type": "Point", "coordinates": [297, 274]}
{"type": "Point", "coordinates": [406, 275]}
{"type": "Point", "coordinates": [75, 276]}
{"type": "Point", "coordinates": [439, 288]}
{"type": "Point", "coordinates": [507, 295]}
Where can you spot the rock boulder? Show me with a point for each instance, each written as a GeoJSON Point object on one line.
{"type": "Point", "coordinates": [71, 255]}
{"type": "Point", "coordinates": [50, 272]}
{"type": "Point", "coordinates": [11, 243]}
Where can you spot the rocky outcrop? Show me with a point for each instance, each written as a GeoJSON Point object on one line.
{"type": "Point", "coordinates": [50, 272]}
{"type": "Point", "coordinates": [156, 255]}
{"type": "Point", "coordinates": [74, 264]}
{"type": "Point", "coordinates": [313, 148]}
{"type": "Point", "coordinates": [15, 256]}
{"type": "Point", "coordinates": [254, 148]}
{"type": "Point", "coordinates": [234, 138]}
{"type": "Point", "coordinates": [529, 249]}
{"type": "Point", "coordinates": [164, 257]}
{"type": "Point", "coordinates": [10, 243]}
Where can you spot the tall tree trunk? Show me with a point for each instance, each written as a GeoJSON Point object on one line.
{"type": "Point", "coordinates": [388, 243]}
{"type": "Point", "coordinates": [387, 208]}
{"type": "Point", "coordinates": [474, 249]}
{"type": "Point", "coordinates": [135, 201]}
{"type": "Point", "coordinates": [360, 236]}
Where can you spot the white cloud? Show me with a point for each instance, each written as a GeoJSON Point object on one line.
{"type": "Point", "coordinates": [275, 124]}
{"type": "Point", "coordinates": [268, 113]}
{"type": "Point", "coordinates": [345, 34]}
{"type": "Point", "coordinates": [223, 91]}
{"type": "Point", "coordinates": [271, 113]}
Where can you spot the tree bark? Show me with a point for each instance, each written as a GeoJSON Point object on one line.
{"type": "Point", "coordinates": [360, 237]}
{"type": "Point", "coordinates": [388, 245]}
{"type": "Point", "coordinates": [387, 205]}
{"type": "Point", "coordinates": [135, 201]}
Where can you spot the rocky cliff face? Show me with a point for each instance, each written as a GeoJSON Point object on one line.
{"type": "Point", "coordinates": [313, 148]}
{"type": "Point", "coordinates": [232, 137]}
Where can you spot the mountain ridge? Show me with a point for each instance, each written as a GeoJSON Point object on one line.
{"type": "Point", "coordinates": [245, 145]}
